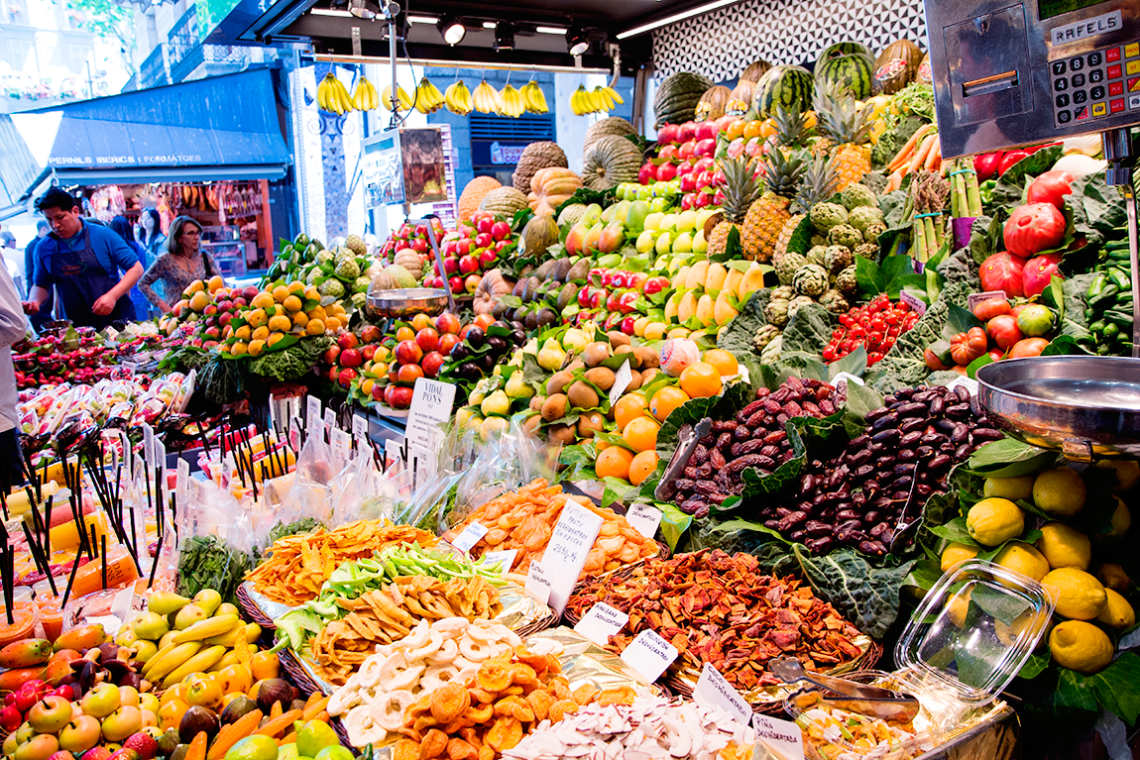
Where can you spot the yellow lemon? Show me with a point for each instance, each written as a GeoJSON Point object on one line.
{"type": "Point", "coordinates": [257, 318]}
{"type": "Point", "coordinates": [280, 324]}
{"type": "Point", "coordinates": [1028, 620]}
{"type": "Point", "coordinates": [239, 349]}
{"type": "Point", "coordinates": [1060, 492]}
{"type": "Point", "coordinates": [315, 327]}
{"type": "Point", "coordinates": [1009, 488]}
{"type": "Point", "coordinates": [280, 293]}
{"type": "Point", "coordinates": [1079, 596]}
{"type": "Point", "coordinates": [1080, 646]}
{"type": "Point", "coordinates": [992, 522]}
{"type": "Point", "coordinates": [958, 607]}
{"type": "Point", "coordinates": [955, 554]}
{"type": "Point", "coordinates": [292, 303]}
{"type": "Point", "coordinates": [1022, 558]}
{"type": "Point", "coordinates": [1065, 546]}
{"type": "Point", "coordinates": [256, 347]}
{"type": "Point", "coordinates": [1112, 575]}
{"type": "Point", "coordinates": [1117, 612]}
{"type": "Point", "coordinates": [1127, 473]}
{"type": "Point", "coordinates": [1121, 524]}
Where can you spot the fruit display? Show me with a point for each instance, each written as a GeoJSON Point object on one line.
{"type": "Point", "coordinates": [476, 247]}
{"type": "Point", "coordinates": [343, 273]}
{"type": "Point", "coordinates": [80, 356]}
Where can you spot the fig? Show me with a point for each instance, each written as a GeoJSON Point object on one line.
{"type": "Point", "coordinates": [274, 690]}
{"type": "Point", "coordinates": [198, 719]}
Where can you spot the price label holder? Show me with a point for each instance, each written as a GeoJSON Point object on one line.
{"type": "Point", "coordinates": [312, 410]}
{"type": "Point", "coordinates": [622, 379]}
{"type": "Point", "coordinates": [783, 738]}
{"type": "Point", "coordinates": [565, 555]}
{"type": "Point", "coordinates": [538, 582]}
{"type": "Point", "coordinates": [182, 484]}
{"type": "Point", "coordinates": [976, 298]}
{"type": "Point", "coordinates": [601, 622]}
{"type": "Point", "coordinates": [317, 429]}
{"type": "Point", "coordinates": [359, 425]}
{"type": "Point", "coordinates": [330, 420]}
{"type": "Point", "coordinates": [470, 536]}
{"type": "Point", "coordinates": [363, 446]}
{"type": "Point", "coordinates": [650, 655]}
{"type": "Point", "coordinates": [504, 559]}
{"type": "Point", "coordinates": [431, 405]}
{"type": "Point", "coordinates": [969, 383]}
{"type": "Point", "coordinates": [916, 304]}
{"type": "Point", "coordinates": [160, 463]}
{"type": "Point", "coordinates": [645, 518]}
{"type": "Point", "coordinates": [148, 445]}
{"type": "Point", "coordinates": [714, 690]}
{"type": "Point", "coordinates": [341, 445]}
{"type": "Point", "coordinates": [295, 435]}
{"type": "Point", "coordinates": [839, 382]}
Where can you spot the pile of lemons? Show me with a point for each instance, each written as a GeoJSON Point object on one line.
{"type": "Point", "coordinates": [1090, 598]}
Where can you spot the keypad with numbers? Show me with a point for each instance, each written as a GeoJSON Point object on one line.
{"type": "Point", "coordinates": [1093, 85]}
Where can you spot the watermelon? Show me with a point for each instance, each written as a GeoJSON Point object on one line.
{"type": "Point", "coordinates": [852, 71]}
{"type": "Point", "coordinates": [789, 87]}
{"type": "Point", "coordinates": [677, 97]}
{"type": "Point", "coordinates": [843, 48]}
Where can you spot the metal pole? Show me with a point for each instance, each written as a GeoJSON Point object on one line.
{"type": "Point", "coordinates": [395, 120]}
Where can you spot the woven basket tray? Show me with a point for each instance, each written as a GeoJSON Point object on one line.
{"type": "Point", "coordinates": [252, 611]}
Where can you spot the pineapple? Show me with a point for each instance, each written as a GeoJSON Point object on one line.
{"type": "Point", "coordinates": [741, 189]}
{"type": "Point", "coordinates": [792, 127]}
{"type": "Point", "coordinates": [848, 129]}
{"type": "Point", "coordinates": [818, 184]}
{"type": "Point", "coordinates": [767, 216]}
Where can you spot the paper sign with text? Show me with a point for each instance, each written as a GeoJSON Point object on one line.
{"type": "Point", "coordinates": [649, 655]}
{"type": "Point", "coordinates": [182, 489]}
{"type": "Point", "coordinates": [601, 622]}
{"type": "Point", "coordinates": [622, 379]}
{"type": "Point", "coordinates": [359, 425]}
{"type": "Point", "coordinates": [715, 690]}
{"type": "Point", "coordinates": [295, 435]}
{"type": "Point", "coordinates": [341, 446]}
{"type": "Point", "coordinates": [470, 536]}
{"type": "Point", "coordinates": [916, 304]}
{"type": "Point", "coordinates": [431, 405]}
{"type": "Point", "coordinates": [969, 383]}
{"type": "Point", "coordinates": [565, 555]}
{"type": "Point", "coordinates": [645, 518]}
{"type": "Point", "coordinates": [148, 445]}
{"type": "Point", "coordinates": [783, 736]}
{"type": "Point", "coordinates": [330, 420]}
{"type": "Point", "coordinates": [538, 582]}
{"type": "Point", "coordinates": [839, 382]}
{"type": "Point", "coordinates": [312, 410]}
{"type": "Point", "coordinates": [504, 559]}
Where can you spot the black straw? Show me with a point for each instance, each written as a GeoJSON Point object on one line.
{"type": "Point", "coordinates": [103, 540]}
{"type": "Point", "coordinates": [71, 578]}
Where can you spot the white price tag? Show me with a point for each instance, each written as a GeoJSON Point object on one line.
{"type": "Point", "coordinates": [182, 489]}
{"type": "Point", "coordinates": [295, 435]}
{"type": "Point", "coordinates": [976, 298]}
{"type": "Point", "coordinates": [538, 582]}
{"type": "Point", "coordinates": [916, 304]}
{"type": "Point", "coordinates": [431, 404]}
{"type": "Point", "coordinates": [565, 555]}
{"type": "Point", "coordinates": [330, 420]}
{"type": "Point", "coordinates": [650, 655]}
{"type": "Point", "coordinates": [601, 622]}
{"type": "Point", "coordinates": [470, 536]}
{"type": "Point", "coordinates": [160, 464]}
{"type": "Point", "coordinates": [341, 445]}
{"type": "Point", "coordinates": [359, 425]}
{"type": "Point", "coordinates": [148, 445]}
{"type": "Point", "coordinates": [714, 690]}
{"type": "Point", "coordinates": [645, 518]}
{"type": "Point", "coordinates": [504, 559]}
{"type": "Point", "coordinates": [622, 379]}
{"type": "Point", "coordinates": [363, 446]}
{"type": "Point", "coordinates": [312, 410]}
{"type": "Point", "coordinates": [969, 383]}
{"type": "Point", "coordinates": [782, 736]}
{"type": "Point", "coordinates": [839, 382]}
{"type": "Point", "coordinates": [316, 429]}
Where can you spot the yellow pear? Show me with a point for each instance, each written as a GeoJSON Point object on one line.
{"type": "Point", "coordinates": [671, 306]}
{"type": "Point", "coordinates": [733, 280]}
{"type": "Point", "coordinates": [723, 312]}
{"type": "Point", "coordinates": [680, 278]}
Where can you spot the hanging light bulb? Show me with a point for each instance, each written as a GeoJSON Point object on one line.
{"type": "Point", "coordinates": [452, 29]}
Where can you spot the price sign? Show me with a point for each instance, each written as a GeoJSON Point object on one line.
{"type": "Point", "coordinates": [601, 622]}
{"type": "Point", "coordinates": [431, 404]}
{"type": "Point", "coordinates": [341, 445]}
{"type": "Point", "coordinates": [148, 445]}
{"type": "Point", "coordinates": [504, 559]}
{"type": "Point", "coordinates": [160, 464]}
{"type": "Point", "coordinates": [470, 536]}
{"type": "Point", "coordinates": [295, 435]}
{"type": "Point", "coordinates": [363, 446]}
{"type": "Point", "coordinates": [782, 736]}
{"type": "Point", "coordinates": [650, 655]}
{"type": "Point", "coordinates": [645, 518]}
{"type": "Point", "coordinates": [317, 429]}
{"type": "Point", "coordinates": [359, 425]}
{"type": "Point", "coordinates": [538, 582]}
{"type": "Point", "coordinates": [312, 410]}
{"type": "Point", "coordinates": [916, 304]}
{"type": "Point", "coordinates": [713, 689]}
{"type": "Point", "coordinates": [330, 420]}
{"type": "Point", "coordinates": [565, 555]}
{"type": "Point", "coordinates": [182, 485]}
{"type": "Point", "coordinates": [622, 379]}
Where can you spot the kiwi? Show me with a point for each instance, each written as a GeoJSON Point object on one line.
{"type": "Point", "coordinates": [590, 423]}
{"type": "Point", "coordinates": [554, 408]}
{"type": "Point", "coordinates": [576, 364]}
{"type": "Point", "coordinates": [536, 403]}
{"type": "Point", "coordinates": [634, 381]}
{"type": "Point", "coordinates": [595, 354]}
{"type": "Point", "coordinates": [617, 338]}
{"type": "Point", "coordinates": [647, 375]}
{"type": "Point", "coordinates": [601, 377]}
{"type": "Point", "coordinates": [649, 357]}
{"type": "Point", "coordinates": [627, 350]}
{"type": "Point", "coordinates": [579, 271]}
{"type": "Point", "coordinates": [581, 396]}
{"type": "Point", "coordinates": [563, 434]}
{"type": "Point", "coordinates": [532, 423]}
{"type": "Point", "coordinates": [558, 382]}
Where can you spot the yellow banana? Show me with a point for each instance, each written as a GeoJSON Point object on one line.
{"type": "Point", "coordinates": [174, 661]}
{"type": "Point", "coordinates": [229, 658]}
{"type": "Point", "coordinates": [157, 658]}
{"type": "Point", "coordinates": [486, 98]}
{"type": "Point", "coordinates": [204, 629]}
{"type": "Point", "coordinates": [403, 101]}
{"type": "Point", "coordinates": [614, 95]}
{"type": "Point", "coordinates": [250, 631]}
{"type": "Point", "coordinates": [535, 98]}
{"type": "Point", "coordinates": [199, 663]}
{"type": "Point", "coordinates": [428, 97]}
{"type": "Point", "coordinates": [603, 99]}
{"type": "Point", "coordinates": [458, 98]}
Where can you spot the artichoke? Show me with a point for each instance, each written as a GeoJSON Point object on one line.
{"type": "Point", "coordinates": [874, 229]}
{"type": "Point", "coordinates": [798, 303]}
{"type": "Point", "coordinates": [776, 312]}
{"type": "Point", "coordinates": [834, 301]}
{"type": "Point", "coordinates": [858, 195]}
{"type": "Point", "coordinates": [863, 217]}
{"type": "Point", "coordinates": [772, 351]}
{"type": "Point", "coordinates": [811, 280]}
{"type": "Point", "coordinates": [847, 282]}
{"type": "Point", "coordinates": [787, 266]}
{"type": "Point", "coordinates": [817, 255]}
{"type": "Point", "coordinates": [838, 258]}
{"type": "Point", "coordinates": [868, 251]}
{"type": "Point", "coordinates": [845, 234]}
{"type": "Point", "coordinates": [763, 337]}
{"type": "Point", "coordinates": [824, 216]}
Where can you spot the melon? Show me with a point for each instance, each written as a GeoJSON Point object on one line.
{"type": "Point", "coordinates": [504, 202]}
{"type": "Point", "coordinates": [613, 125]}
{"type": "Point", "coordinates": [896, 67]}
{"type": "Point", "coordinates": [677, 97]}
{"type": "Point", "coordinates": [611, 161]}
{"type": "Point", "coordinates": [410, 260]}
{"type": "Point", "coordinates": [401, 276]}
{"type": "Point", "coordinates": [713, 102]}
{"type": "Point", "coordinates": [473, 194]}
{"type": "Point", "coordinates": [754, 71]}
{"type": "Point", "coordinates": [787, 87]}
{"type": "Point", "coordinates": [740, 99]}
{"type": "Point", "coordinates": [382, 281]}
{"type": "Point", "coordinates": [540, 233]}
{"type": "Point", "coordinates": [537, 155]}
{"type": "Point", "coordinates": [851, 71]}
{"type": "Point", "coordinates": [571, 215]}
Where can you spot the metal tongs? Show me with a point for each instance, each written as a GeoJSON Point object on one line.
{"type": "Point", "coordinates": [874, 701]}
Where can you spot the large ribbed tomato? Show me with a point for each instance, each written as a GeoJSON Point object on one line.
{"type": "Point", "coordinates": [1051, 187]}
{"type": "Point", "coordinates": [1002, 271]}
{"type": "Point", "coordinates": [1033, 228]}
{"type": "Point", "coordinates": [1038, 273]}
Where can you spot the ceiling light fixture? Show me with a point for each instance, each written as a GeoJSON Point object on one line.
{"type": "Point", "coordinates": [504, 36]}
{"type": "Point", "coordinates": [675, 18]}
{"type": "Point", "coordinates": [329, 12]}
{"type": "Point", "coordinates": [430, 20]}
{"type": "Point", "coordinates": [577, 41]}
{"type": "Point", "coordinates": [549, 30]}
{"type": "Point", "coordinates": [452, 29]}
{"type": "Point", "coordinates": [364, 9]}
{"type": "Point", "coordinates": [489, 24]}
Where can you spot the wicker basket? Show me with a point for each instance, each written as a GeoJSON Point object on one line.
{"type": "Point", "coordinates": [251, 610]}
{"type": "Point", "coordinates": [297, 673]}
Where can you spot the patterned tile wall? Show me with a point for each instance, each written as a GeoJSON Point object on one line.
{"type": "Point", "coordinates": [721, 43]}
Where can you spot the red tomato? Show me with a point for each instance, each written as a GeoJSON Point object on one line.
{"type": "Point", "coordinates": [933, 361]}
{"type": "Point", "coordinates": [990, 308]}
{"type": "Point", "coordinates": [1033, 228]}
{"type": "Point", "coordinates": [1038, 273]}
{"type": "Point", "coordinates": [1028, 347]}
{"type": "Point", "coordinates": [996, 354]}
{"type": "Point", "coordinates": [1004, 330]}
{"type": "Point", "coordinates": [1011, 158]}
{"type": "Point", "coordinates": [1051, 187]}
{"type": "Point", "coordinates": [1002, 271]}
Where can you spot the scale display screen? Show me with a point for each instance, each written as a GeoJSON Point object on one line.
{"type": "Point", "coordinates": [1051, 8]}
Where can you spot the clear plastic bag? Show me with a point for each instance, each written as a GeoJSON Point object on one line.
{"type": "Point", "coordinates": [358, 492]}
{"type": "Point", "coordinates": [308, 496]}
{"type": "Point", "coordinates": [215, 541]}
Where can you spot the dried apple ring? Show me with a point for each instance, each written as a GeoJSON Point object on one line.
{"type": "Point", "coordinates": [435, 641]}
{"type": "Point", "coordinates": [404, 679]}
{"type": "Point", "coordinates": [447, 653]}
{"type": "Point", "coordinates": [451, 626]}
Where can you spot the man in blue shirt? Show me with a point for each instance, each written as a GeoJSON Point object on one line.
{"type": "Point", "coordinates": [83, 261]}
{"type": "Point", "coordinates": [42, 228]}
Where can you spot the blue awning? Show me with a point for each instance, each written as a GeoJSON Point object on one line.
{"type": "Point", "coordinates": [221, 128]}
{"type": "Point", "coordinates": [18, 169]}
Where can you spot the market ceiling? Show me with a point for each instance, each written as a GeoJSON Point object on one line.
{"type": "Point", "coordinates": [537, 33]}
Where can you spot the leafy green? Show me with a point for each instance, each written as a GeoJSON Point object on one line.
{"type": "Point", "coordinates": [1113, 688]}
{"type": "Point", "coordinates": [893, 205]}
{"type": "Point", "coordinates": [184, 359]}
{"type": "Point", "coordinates": [737, 335]}
{"type": "Point", "coordinates": [1008, 458]}
{"type": "Point", "coordinates": [810, 329]}
{"type": "Point", "coordinates": [291, 363]}
{"type": "Point", "coordinates": [674, 523]}
{"type": "Point", "coordinates": [866, 595]}
{"type": "Point", "coordinates": [987, 235]}
{"type": "Point", "coordinates": [960, 267]}
{"type": "Point", "coordinates": [304, 525]}
{"type": "Point", "coordinates": [1100, 205]}
{"type": "Point", "coordinates": [890, 277]}
{"type": "Point", "coordinates": [210, 562]}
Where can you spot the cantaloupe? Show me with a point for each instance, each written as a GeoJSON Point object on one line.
{"type": "Point", "coordinates": [473, 194]}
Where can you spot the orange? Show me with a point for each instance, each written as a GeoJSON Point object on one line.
{"type": "Point", "coordinates": [280, 324]}
{"type": "Point", "coordinates": [701, 380]}
{"type": "Point", "coordinates": [641, 434]}
{"type": "Point", "coordinates": [665, 400]}
{"type": "Point", "coordinates": [405, 333]}
{"type": "Point", "coordinates": [296, 287]}
{"type": "Point", "coordinates": [736, 129]}
{"type": "Point", "coordinates": [332, 323]}
{"type": "Point", "coordinates": [613, 463]}
{"type": "Point", "coordinates": [752, 129]}
{"type": "Point", "coordinates": [642, 466]}
{"type": "Point", "coordinates": [724, 361]}
{"type": "Point", "coordinates": [215, 283]}
{"type": "Point", "coordinates": [292, 303]}
{"type": "Point", "coordinates": [315, 327]}
{"type": "Point", "coordinates": [300, 319]}
{"type": "Point", "coordinates": [420, 321]}
{"type": "Point", "coordinates": [280, 293]}
{"type": "Point", "coordinates": [312, 294]}
{"type": "Point", "coordinates": [628, 407]}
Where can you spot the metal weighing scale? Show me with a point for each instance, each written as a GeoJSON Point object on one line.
{"type": "Point", "coordinates": [1039, 71]}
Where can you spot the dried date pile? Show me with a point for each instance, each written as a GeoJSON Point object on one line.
{"type": "Point", "coordinates": [754, 438]}
{"type": "Point", "coordinates": [856, 498]}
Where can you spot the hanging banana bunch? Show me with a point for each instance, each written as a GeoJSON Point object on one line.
{"type": "Point", "coordinates": [365, 98]}
{"type": "Point", "coordinates": [458, 98]}
{"type": "Point", "coordinates": [611, 96]}
{"type": "Point", "coordinates": [486, 98]}
{"type": "Point", "coordinates": [583, 101]}
{"type": "Point", "coordinates": [403, 101]}
{"type": "Point", "coordinates": [428, 97]}
{"type": "Point", "coordinates": [511, 102]}
{"type": "Point", "coordinates": [332, 96]}
{"type": "Point", "coordinates": [534, 98]}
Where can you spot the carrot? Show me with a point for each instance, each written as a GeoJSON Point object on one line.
{"type": "Point", "coordinates": [278, 724]}
{"type": "Point", "coordinates": [312, 707]}
{"type": "Point", "coordinates": [894, 181]}
{"type": "Point", "coordinates": [289, 738]}
{"type": "Point", "coordinates": [323, 717]}
{"type": "Point", "coordinates": [276, 710]}
{"type": "Point", "coordinates": [233, 733]}
{"type": "Point", "coordinates": [197, 750]}
{"type": "Point", "coordinates": [314, 697]}
{"type": "Point", "coordinates": [920, 154]}
{"type": "Point", "coordinates": [935, 155]}
{"type": "Point", "coordinates": [908, 147]}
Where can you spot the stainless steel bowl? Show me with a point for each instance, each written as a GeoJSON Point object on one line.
{"type": "Point", "coordinates": [1087, 407]}
{"type": "Point", "coordinates": [406, 302]}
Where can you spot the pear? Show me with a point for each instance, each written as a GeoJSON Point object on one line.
{"type": "Point", "coordinates": [150, 626]}
{"type": "Point", "coordinates": [497, 402]}
{"type": "Point", "coordinates": [166, 602]}
{"type": "Point", "coordinates": [188, 616]}
{"type": "Point", "coordinates": [575, 339]}
{"type": "Point", "coordinates": [551, 355]}
{"type": "Point", "coordinates": [516, 388]}
{"type": "Point", "coordinates": [208, 599]}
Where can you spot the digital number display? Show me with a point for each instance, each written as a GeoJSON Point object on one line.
{"type": "Point", "coordinates": [1051, 8]}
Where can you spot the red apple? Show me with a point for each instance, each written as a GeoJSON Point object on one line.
{"type": "Point", "coordinates": [484, 223]}
{"type": "Point", "coordinates": [469, 264]}
{"type": "Point", "coordinates": [483, 239]}
{"type": "Point", "coordinates": [488, 257]}
{"type": "Point", "coordinates": [409, 373]}
{"type": "Point", "coordinates": [666, 172]}
{"type": "Point", "coordinates": [432, 363]}
{"type": "Point", "coordinates": [456, 284]}
{"type": "Point", "coordinates": [347, 340]}
{"type": "Point", "coordinates": [368, 352]}
{"type": "Point", "coordinates": [447, 323]}
{"type": "Point", "coordinates": [351, 357]}
{"type": "Point", "coordinates": [636, 280]}
{"type": "Point", "coordinates": [370, 333]}
{"type": "Point", "coordinates": [471, 284]}
{"type": "Point", "coordinates": [427, 339]}
{"type": "Point", "coordinates": [408, 352]}
{"type": "Point", "coordinates": [346, 376]}
{"type": "Point", "coordinates": [334, 372]}
{"type": "Point", "coordinates": [500, 230]}
{"type": "Point", "coordinates": [378, 392]}
{"type": "Point", "coordinates": [330, 354]}
{"type": "Point", "coordinates": [627, 325]}
{"type": "Point", "coordinates": [451, 263]}
{"type": "Point", "coordinates": [399, 397]}
{"type": "Point", "coordinates": [648, 173]}
{"type": "Point", "coordinates": [655, 285]}
{"type": "Point", "coordinates": [627, 302]}
{"type": "Point", "coordinates": [464, 247]}
{"type": "Point", "coordinates": [501, 245]}
{"type": "Point", "coordinates": [447, 341]}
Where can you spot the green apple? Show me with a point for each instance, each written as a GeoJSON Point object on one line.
{"type": "Point", "coordinates": [687, 220]}
{"type": "Point", "coordinates": [669, 222]}
{"type": "Point", "coordinates": [683, 243]}
{"type": "Point", "coordinates": [644, 193]}
{"type": "Point", "coordinates": [664, 243]}
{"type": "Point", "coordinates": [645, 241]}
{"type": "Point", "coordinates": [659, 204]}
{"type": "Point", "coordinates": [700, 245]}
{"type": "Point", "coordinates": [635, 216]}
{"type": "Point", "coordinates": [653, 220]}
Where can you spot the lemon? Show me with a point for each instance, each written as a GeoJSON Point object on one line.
{"type": "Point", "coordinates": [1022, 558]}
{"type": "Point", "coordinates": [1079, 596]}
{"type": "Point", "coordinates": [1117, 612]}
{"type": "Point", "coordinates": [1009, 488]}
{"type": "Point", "coordinates": [315, 736]}
{"type": "Point", "coordinates": [1080, 646]}
{"type": "Point", "coordinates": [1065, 546]}
{"type": "Point", "coordinates": [992, 522]}
{"type": "Point", "coordinates": [253, 748]}
{"type": "Point", "coordinates": [1121, 523]}
{"type": "Point", "coordinates": [1112, 575]}
{"type": "Point", "coordinates": [1009, 634]}
{"type": "Point", "coordinates": [1127, 473]}
{"type": "Point", "coordinates": [337, 752]}
{"type": "Point", "coordinates": [955, 554]}
{"type": "Point", "coordinates": [958, 607]}
{"type": "Point", "coordinates": [1060, 492]}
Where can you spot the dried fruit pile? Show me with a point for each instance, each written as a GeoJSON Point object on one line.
{"type": "Point", "coordinates": [856, 498]}
{"type": "Point", "coordinates": [718, 608]}
{"type": "Point", "coordinates": [755, 438]}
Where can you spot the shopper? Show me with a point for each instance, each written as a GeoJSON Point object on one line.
{"type": "Point", "coordinates": [11, 256]}
{"type": "Point", "coordinates": [37, 320]}
{"type": "Point", "coordinates": [152, 238]}
{"type": "Point", "coordinates": [13, 327]}
{"type": "Point", "coordinates": [82, 261]}
{"type": "Point", "coordinates": [183, 263]}
{"type": "Point", "coordinates": [126, 230]}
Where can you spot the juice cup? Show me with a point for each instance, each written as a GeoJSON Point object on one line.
{"type": "Point", "coordinates": [89, 577]}
{"type": "Point", "coordinates": [24, 617]}
{"type": "Point", "coordinates": [51, 616]}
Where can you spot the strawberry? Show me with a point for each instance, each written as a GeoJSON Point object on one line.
{"type": "Point", "coordinates": [96, 753]}
{"type": "Point", "coordinates": [143, 744]}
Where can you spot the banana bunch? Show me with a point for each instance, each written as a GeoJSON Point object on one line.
{"type": "Point", "coordinates": [511, 102]}
{"type": "Point", "coordinates": [428, 97]}
{"type": "Point", "coordinates": [365, 98]}
{"type": "Point", "coordinates": [534, 98]}
{"type": "Point", "coordinates": [332, 96]}
{"type": "Point", "coordinates": [458, 98]}
{"type": "Point", "coordinates": [609, 97]}
{"type": "Point", "coordinates": [486, 98]}
{"type": "Point", "coordinates": [177, 636]}
{"type": "Point", "coordinates": [601, 99]}
{"type": "Point", "coordinates": [404, 102]}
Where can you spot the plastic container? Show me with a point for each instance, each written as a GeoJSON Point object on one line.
{"type": "Point", "coordinates": [967, 640]}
